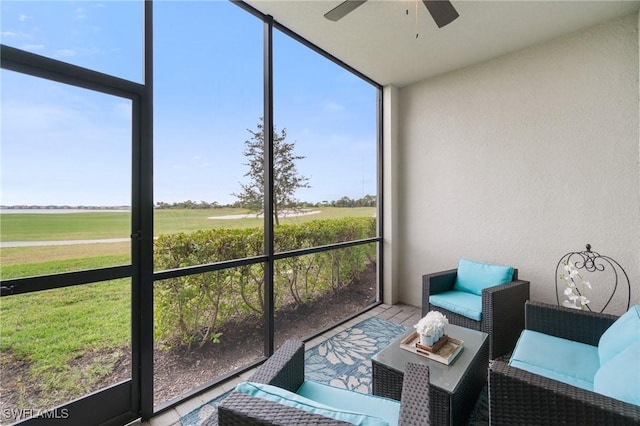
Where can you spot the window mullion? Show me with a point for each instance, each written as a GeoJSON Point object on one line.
{"type": "Point", "coordinates": [269, 311]}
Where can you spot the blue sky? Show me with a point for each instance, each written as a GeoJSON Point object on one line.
{"type": "Point", "coordinates": [62, 145]}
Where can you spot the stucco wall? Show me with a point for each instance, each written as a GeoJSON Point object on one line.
{"type": "Point", "coordinates": [522, 159]}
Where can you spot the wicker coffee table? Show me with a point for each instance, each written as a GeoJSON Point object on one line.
{"type": "Point", "coordinates": [454, 388]}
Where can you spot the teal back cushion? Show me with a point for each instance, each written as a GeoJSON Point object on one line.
{"type": "Point", "coordinates": [345, 399]}
{"type": "Point", "coordinates": [623, 332]}
{"type": "Point", "coordinates": [620, 377]}
{"type": "Point", "coordinates": [290, 399]}
{"type": "Point", "coordinates": [473, 277]}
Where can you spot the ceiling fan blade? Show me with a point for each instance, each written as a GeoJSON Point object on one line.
{"type": "Point", "coordinates": [344, 8]}
{"type": "Point", "coordinates": [442, 11]}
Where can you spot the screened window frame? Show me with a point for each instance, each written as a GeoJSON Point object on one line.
{"type": "Point", "coordinates": [141, 270]}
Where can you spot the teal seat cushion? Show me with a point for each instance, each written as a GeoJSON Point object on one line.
{"type": "Point", "coordinates": [620, 377]}
{"type": "Point", "coordinates": [460, 302]}
{"type": "Point", "coordinates": [344, 399]}
{"type": "Point", "coordinates": [622, 333]}
{"type": "Point", "coordinates": [473, 277]}
{"type": "Point", "coordinates": [290, 399]}
{"type": "Point", "coordinates": [559, 359]}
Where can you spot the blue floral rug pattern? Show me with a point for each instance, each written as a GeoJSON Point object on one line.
{"type": "Point", "coordinates": [343, 360]}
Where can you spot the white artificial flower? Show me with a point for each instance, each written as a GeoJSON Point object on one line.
{"type": "Point", "coordinates": [568, 304]}
{"type": "Point", "coordinates": [431, 323]}
{"type": "Point", "coordinates": [575, 287]}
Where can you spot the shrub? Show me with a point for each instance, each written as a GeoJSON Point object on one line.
{"type": "Point", "coordinates": [192, 308]}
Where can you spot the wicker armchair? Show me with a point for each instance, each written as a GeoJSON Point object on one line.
{"type": "Point", "coordinates": [502, 309]}
{"type": "Point", "coordinates": [520, 397]}
{"type": "Point", "coordinates": [286, 369]}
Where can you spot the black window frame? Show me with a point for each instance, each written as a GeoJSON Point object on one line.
{"type": "Point", "coordinates": [134, 398]}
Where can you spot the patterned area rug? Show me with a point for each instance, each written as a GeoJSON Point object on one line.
{"type": "Point", "coordinates": [344, 361]}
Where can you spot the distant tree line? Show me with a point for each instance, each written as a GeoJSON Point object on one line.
{"type": "Point", "coordinates": [190, 205]}
{"type": "Point", "coordinates": [366, 201]}
{"type": "Point", "coordinates": [61, 207]}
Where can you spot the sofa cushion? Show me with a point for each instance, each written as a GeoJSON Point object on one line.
{"type": "Point", "coordinates": [622, 333]}
{"type": "Point", "coordinates": [620, 377]}
{"type": "Point", "coordinates": [344, 399]}
{"type": "Point", "coordinates": [559, 359]}
{"type": "Point", "coordinates": [290, 399]}
{"type": "Point", "coordinates": [460, 302]}
{"type": "Point", "coordinates": [473, 277]}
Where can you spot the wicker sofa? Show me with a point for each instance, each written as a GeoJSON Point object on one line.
{"type": "Point", "coordinates": [517, 396]}
{"type": "Point", "coordinates": [285, 369]}
{"type": "Point", "coordinates": [502, 309]}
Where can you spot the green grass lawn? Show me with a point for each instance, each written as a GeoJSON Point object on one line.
{"type": "Point", "coordinates": [53, 331]}
{"type": "Point", "coordinates": [18, 262]}
{"type": "Point", "coordinates": [103, 225]}
{"type": "Point", "coordinates": [64, 226]}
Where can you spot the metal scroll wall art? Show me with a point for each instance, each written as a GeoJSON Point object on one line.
{"type": "Point", "coordinates": [592, 261]}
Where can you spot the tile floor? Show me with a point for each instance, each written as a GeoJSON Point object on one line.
{"type": "Point", "coordinates": [400, 313]}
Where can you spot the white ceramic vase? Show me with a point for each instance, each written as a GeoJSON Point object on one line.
{"type": "Point", "coordinates": [427, 340]}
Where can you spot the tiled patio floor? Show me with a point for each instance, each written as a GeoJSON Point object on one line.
{"type": "Point", "coordinates": [401, 314]}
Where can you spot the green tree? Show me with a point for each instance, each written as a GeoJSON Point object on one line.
{"type": "Point", "coordinates": [286, 178]}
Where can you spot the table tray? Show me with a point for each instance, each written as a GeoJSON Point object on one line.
{"type": "Point", "coordinates": [444, 355]}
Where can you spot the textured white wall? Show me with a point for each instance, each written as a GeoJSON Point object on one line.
{"type": "Point", "coordinates": [522, 159]}
{"type": "Point", "coordinates": [391, 172]}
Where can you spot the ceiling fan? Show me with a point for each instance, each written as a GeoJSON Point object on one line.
{"type": "Point", "coordinates": [442, 11]}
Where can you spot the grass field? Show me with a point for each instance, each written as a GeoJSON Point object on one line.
{"type": "Point", "coordinates": [18, 262]}
{"type": "Point", "coordinates": [52, 332]}
{"type": "Point", "coordinates": [103, 225]}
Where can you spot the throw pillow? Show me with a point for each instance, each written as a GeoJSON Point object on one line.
{"type": "Point", "coordinates": [622, 333]}
{"type": "Point", "coordinates": [620, 377]}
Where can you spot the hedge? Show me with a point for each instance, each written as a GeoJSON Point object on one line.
{"type": "Point", "coordinates": [191, 309]}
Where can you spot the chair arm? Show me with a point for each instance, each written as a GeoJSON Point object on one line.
{"type": "Point", "coordinates": [503, 315]}
{"type": "Point", "coordinates": [520, 397]}
{"type": "Point", "coordinates": [572, 324]}
{"type": "Point", "coordinates": [241, 410]}
{"type": "Point", "coordinates": [435, 283]}
{"type": "Point", "coordinates": [285, 368]}
{"type": "Point", "coordinates": [414, 403]}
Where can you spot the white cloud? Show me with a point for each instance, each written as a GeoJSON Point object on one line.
{"type": "Point", "coordinates": [331, 106]}
{"type": "Point", "coordinates": [32, 47]}
{"type": "Point", "coordinates": [22, 17]}
{"type": "Point", "coordinates": [66, 53]}
{"type": "Point", "coordinates": [36, 137]}
{"type": "Point", "coordinates": [80, 13]}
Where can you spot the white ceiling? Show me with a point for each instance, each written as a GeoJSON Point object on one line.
{"type": "Point", "coordinates": [379, 39]}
